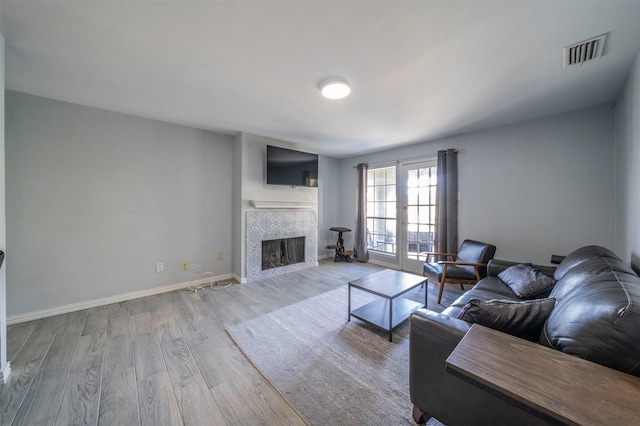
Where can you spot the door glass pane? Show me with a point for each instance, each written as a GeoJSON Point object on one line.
{"type": "Point", "coordinates": [391, 175]}
{"type": "Point", "coordinates": [420, 212]}
{"type": "Point", "coordinates": [412, 195]}
{"type": "Point", "coordinates": [382, 209]}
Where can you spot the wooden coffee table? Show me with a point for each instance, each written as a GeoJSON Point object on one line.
{"type": "Point", "coordinates": [391, 310]}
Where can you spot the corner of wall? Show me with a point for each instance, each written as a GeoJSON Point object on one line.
{"type": "Point", "coordinates": [627, 174]}
{"type": "Point", "coordinates": [4, 365]}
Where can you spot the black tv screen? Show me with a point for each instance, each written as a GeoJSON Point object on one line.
{"type": "Point", "coordinates": [289, 167]}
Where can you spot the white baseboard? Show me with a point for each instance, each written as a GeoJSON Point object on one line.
{"type": "Point", "coordinates": [6, 371]}
{"type": "Point", "coordinates": [65, 309]}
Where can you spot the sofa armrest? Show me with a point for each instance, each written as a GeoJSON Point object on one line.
{"type": "Point", "coordinates": [445, 396]}
{"type": "Point", "coordinates": [451, 330]}
{"type": "Point", "coordinates": [432, 337]}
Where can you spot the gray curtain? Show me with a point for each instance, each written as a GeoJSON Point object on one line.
{"type": "Point", "coordinates": [446, 238]}
{"type": "Point", "coordinates": [360, 245]}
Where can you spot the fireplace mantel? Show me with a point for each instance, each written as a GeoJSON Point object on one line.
{"type": "Point", "coordinates": [268, 204]}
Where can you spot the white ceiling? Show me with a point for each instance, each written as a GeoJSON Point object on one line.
{"type": "Point", "coordinates": [419, 70]}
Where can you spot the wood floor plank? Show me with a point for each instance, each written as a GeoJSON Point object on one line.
{"type": "Point", "coordinates": [118, 323]}
{"type": "Point", "coordinates": [62, 350]}
{"type": "Point", "coordinates": [81, 399]}
{"type": "Point", "coordinates": [118, 354]}
{"type": "Point", "coordinates": [241, 367]}
{"type": "Point", "coordinates": [182, 307]}
{"type": "Point", "coordinates": [228, 397]}
{"type": "Point", "coordinates": [195, 402]}
{"type": "Point", "coordinates": [74, 322]}
{"type": "Point", "coordinates": [90, 351]}
{"type": "Point", "coordinates": [118, 307]}
{"type": "Point", "coordinates": [138, 306]}
{"type": "Point", "coordinates": [42, 401]}
{"type": "Point", "coordinates": [191, 329]}
{"type": "Point", "coordinates": [141, 324]}
{"type": "Point", "coordinates": [178, 359]}
{"type": "Point", "coordinates": [7, 418]}
{"type": "Point", "coordinates": [147, 356]}
{"type": "Point", "coordinates": [212, 367]}
{"type": "Point", "coordinates": [24, 368]}
{"type": "Point", "coordinates": [272, 408]}
{"type": "Point", "coordinates": [17, 335]}
{"type": "Point", "coordinates": [51, 325]}
{"type": "Point", "coordinates": [119, 399]}
{"type": "Point", "coordinates": [157, 402]}
{"type": "Point", "coordinates": [97, 320]}
{"type": "Point", "coordinates": [161, 311]}
{"type": "Point", "coordinates": [168, 331]}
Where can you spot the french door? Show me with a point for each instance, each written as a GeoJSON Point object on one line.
{"type": "Point", "coordinates": [417, 207]}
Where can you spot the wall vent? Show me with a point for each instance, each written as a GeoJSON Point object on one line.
{"type": "Point", "coordinates": [584, 51]}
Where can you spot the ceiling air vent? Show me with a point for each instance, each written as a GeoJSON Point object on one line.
{"type": "Point", "coordinates": [584, 51]}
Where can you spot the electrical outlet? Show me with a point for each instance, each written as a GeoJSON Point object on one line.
{"type": "Point", "coordinates": [220, 255]}
{"type": "Point", "coordinates": [185, 265]}
{"type": "Point", "coordinates": [160, 267]}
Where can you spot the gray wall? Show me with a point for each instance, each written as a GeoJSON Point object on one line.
{"type": "Point", "coordinates": [627, 168]}
{"type": "Point", "coordinates": [533, 189]}
{"type": "Point", "coordinates": [95, 199]}
{"type": "Point", "coordinates": [3, 228]}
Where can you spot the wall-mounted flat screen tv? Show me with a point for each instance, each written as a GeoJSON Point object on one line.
{"type": "Point", "coordinates": [292, 168]}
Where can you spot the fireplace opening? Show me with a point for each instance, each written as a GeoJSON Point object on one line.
{"type": "Point", "coordinates": [282, 252]}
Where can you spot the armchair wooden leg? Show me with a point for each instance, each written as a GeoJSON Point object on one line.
{"type": "Point", "coordinates": [440, 292]}
{"type": "Point", "coordinates": [461, 287]}
{"type": "Point", "coordinates": [419, 416]}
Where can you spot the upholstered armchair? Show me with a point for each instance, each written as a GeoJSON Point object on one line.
{"type": "Point", "coordinates": [468, 266]}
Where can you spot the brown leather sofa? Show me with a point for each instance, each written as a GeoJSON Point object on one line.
{"type": "Point", "coordinates": [596, 316]}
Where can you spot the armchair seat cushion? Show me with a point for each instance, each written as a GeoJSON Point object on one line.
{"type": "Point", "coordinates": [435, 271]}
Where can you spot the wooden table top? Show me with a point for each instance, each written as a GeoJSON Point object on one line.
{"type": "Point", "coordinates": [339, 229]}
{"type": "Point", "coordinates": [564, 387]}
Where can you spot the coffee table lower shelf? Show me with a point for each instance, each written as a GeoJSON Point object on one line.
{"type": "Point", "coordinates": [376, 313]}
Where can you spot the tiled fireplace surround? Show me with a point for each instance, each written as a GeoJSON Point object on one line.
{"type": "Point", "coordinates": [274, 224]}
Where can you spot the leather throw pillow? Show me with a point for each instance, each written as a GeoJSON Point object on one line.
{"type": "Point", "coordinates": [526, 281]}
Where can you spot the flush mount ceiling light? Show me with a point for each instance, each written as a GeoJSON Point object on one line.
{"type": "Point", "coordinates": [335, 89]}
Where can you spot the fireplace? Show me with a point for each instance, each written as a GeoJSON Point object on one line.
{"type": "Point", "coordinates": [282, 252]}
{"type": "Point", "coordinates": [276, 225]}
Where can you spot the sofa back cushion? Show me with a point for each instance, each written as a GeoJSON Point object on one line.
{"type": "Point", "coordinates": [584, 271]}
{"type": "Point", "coordinates": [599, 321]}
{"type": "Point", "coordinates": [580, 255]}
{"type": "Point", "coordinates": [523, 318]}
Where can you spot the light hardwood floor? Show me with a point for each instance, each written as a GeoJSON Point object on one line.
{"type": "Point", "coordinates": [160, 360]}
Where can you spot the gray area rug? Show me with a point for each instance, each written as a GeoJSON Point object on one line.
{"type": "Point", "coordinates": [333, 372]}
